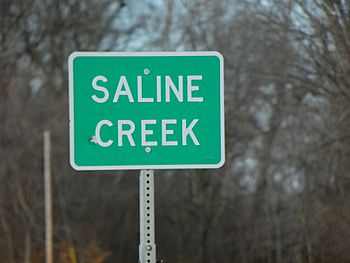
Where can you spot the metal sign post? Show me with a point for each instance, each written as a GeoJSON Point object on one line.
{"type": "Point", "coordinates": [147, 247]}
{"type": "Point", "coordinates": [48, 198]}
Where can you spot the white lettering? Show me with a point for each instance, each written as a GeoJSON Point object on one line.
{"type": "Point", "coordinates": [170, 84]}
{"type": "Point", "coordinates": [188, 131]}
{"type": "Point", "coordinates": [159, 91]}
{"type": "Point", "coordinates": [166, 132]}
{"type": "Point", "coordinates": [145, 132]}
{"type": "Point", "coordinates": [98, 133]}
{"type": "Point", "coordinates": [128, 133]}
{"type": "Point", "coordinates": [123, 83]}
{"type": "Point", "coordinates": [139, 91]}
{"type": "Point", "coordinates": [171, 90]}
{"type": "Point", "coordinates": [100, 88]}
{"type": "Point", "coordinates": [191, 88]}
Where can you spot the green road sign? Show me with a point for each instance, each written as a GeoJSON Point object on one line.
{"type": "Point", "coordinates": [154, 110]}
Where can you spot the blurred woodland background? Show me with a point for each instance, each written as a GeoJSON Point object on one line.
{"type": "Point", "coordinates": [282, 195]}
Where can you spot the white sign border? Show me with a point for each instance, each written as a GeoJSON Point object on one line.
{"type": "Point", "coordinates": [143, 54]}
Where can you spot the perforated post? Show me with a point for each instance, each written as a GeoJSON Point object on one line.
{"type": "Point", "coordinates": [147, 247]}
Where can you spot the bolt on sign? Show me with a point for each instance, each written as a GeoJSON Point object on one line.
{"type": "Point", "coordinates": [146, 110]}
